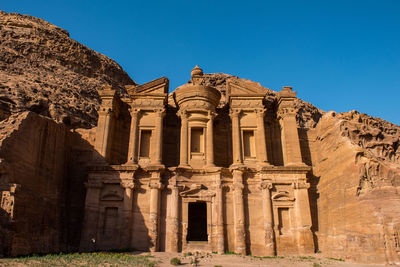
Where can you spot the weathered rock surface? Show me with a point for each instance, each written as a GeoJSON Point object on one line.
{"type": "Point", "coordinates": [43, 70]}
{"type": "Point", "coordinates": [42, 175]}
{"type": "Point", "coordinates": [356, 165]}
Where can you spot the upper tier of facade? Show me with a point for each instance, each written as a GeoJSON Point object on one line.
{"type": "Point", "coordinates": [193, 130]}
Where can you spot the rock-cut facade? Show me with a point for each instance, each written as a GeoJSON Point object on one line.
{"type": "Point", "coordinates": [198, 169]}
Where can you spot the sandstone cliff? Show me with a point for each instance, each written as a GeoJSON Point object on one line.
{"type": "Point", "coordinates": [42, 175]}
{"type": "Point", "coordinates": [43, 70]}
{"type": "Point", "coordinates": [357, 171]}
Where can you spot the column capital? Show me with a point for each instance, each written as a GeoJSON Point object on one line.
{"type": "Point", "coordinates": [286, 111]}
{"type": "Point", "coordinates": [127, 184]}
{"type": "Point", "coordinates": [211, 114]}
{"type": "Point", "coordinates": [260, 112]}
{"type": "Point", "coordinates": [234, 112]}
{"type": "Point", "coordinates": [105, 110]}
{"type": "Point", "coordinates": [237, 186]}
{"type": "Point", "coordinates": [183, 114]}
{"type": "Point", "coordinates": [156, 185]}
{"type": "Point", "coordinates": [266, 185]}
{"type": "Point", "coordinates": [160, 112]}
{"type": "Point", "coordinates": [134, 111]}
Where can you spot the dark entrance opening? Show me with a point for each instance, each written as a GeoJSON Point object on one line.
{"type": "Point", "coordinates": [197, 229]}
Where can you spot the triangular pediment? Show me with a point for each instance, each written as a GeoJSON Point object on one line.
{"type": "Point", "coordinates": [242, 88]}
{"type": "Point", "coordinates": [156, 87]}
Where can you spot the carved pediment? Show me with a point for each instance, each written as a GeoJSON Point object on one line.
{"type": "Point", "coordinates": [156, 87]}
{"type": "Point", "coordinates": [282, 196]}
{"type": "Point", "coordinates": [242, 88]}
{"type": "Point", "coordinates": [197, 191]}
{"type": "Point", "coordinates": [112, 192]}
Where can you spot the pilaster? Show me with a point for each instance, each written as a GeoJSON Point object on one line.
{"type": "Point", "coordinates": [173, 218]}
{"type": "Point", "coordinates": [155, 186]}
{"type": "Point", "coordinates": [210, 139]}
{"type": "Point", "coordinates": [303, 218]}
{"type": "Point", "coordinates": [261, 142]}
{"type": "Point", "coordinates": [238, 211]}
{"type": "Point", "coordinates": [157, 159]}
{"type": "Point", "coordinates": [220, 216]}
{"type": "Point", "coordinates": [266, 187]}
{"type": "Point", "coordinates": [132, 150]}
{"type": "Point", "coordinates": [184, 139]}
{"type": "Point", "coordinates": [289, 134]}
{"type": "Point", "coordinates": [128, 186]}
{"type": "Point", "coordinates": [105, 121]}
{"type": "Point", "coordinates": [236, 142]}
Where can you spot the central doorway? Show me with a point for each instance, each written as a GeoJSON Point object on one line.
{"type": "Point", "coordinates": [197, 228]}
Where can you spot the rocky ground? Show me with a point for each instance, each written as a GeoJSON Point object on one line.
{"type": "Point", "coordinates": [164, 259]}
{"type": "Point", "coordinates": [213, 260]}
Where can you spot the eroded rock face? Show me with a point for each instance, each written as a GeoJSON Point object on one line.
{"type": "Point", "coordinates": [356, 166]}
{"type": "Point", "coordinates": [43, 70]}
{"type": "Point", "coordinates": [42, 175]}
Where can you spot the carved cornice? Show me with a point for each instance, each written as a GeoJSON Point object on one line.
{"type": "Point", "coordinates": [248, 104]}
{"type": "Point", "coordinates": [148, 103]}
{"type": "Point", "coordinates": [301, 185]}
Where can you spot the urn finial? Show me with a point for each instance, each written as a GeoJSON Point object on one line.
{"type": "Point", "coordinates": [197, 71]}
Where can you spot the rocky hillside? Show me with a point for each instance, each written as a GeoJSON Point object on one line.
{"type": "Point", "coordinates": [43, 70]}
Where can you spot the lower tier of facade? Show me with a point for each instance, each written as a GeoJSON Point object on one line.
{"type": "Point", "coordinates": [262, 212]}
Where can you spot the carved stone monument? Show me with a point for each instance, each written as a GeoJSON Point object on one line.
{"type": "Point", "coordinates": [171, 194]}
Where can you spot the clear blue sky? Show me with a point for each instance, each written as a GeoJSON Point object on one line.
{"type": "Point", "coordinates": [338, 54]}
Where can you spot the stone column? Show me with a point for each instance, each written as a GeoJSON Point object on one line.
{"type": "Point", "coordinates": [305, 239]}
{"type": "Point", "coordinates": [220, 217]}
{"type": "Point", "coordinates": [268, 218]}
{"type": "Point", "coordinates": [155, 186]}
{"type": "Point", "coordinates": [238, 211]}
{"type": "Point", "coordinates": [210, 140]}
{"type": "Point", "coordinates": [158, 137]}
{"type": "Point", "coordinates": [236, 142]}
{"type": "Point", "coordinates": [103, 132]}
{"type": "Point", "coordinates": [173, 220]}
{"type": "Point", "coordinates": [91, 219]}
{"type": "Point", "coordinates": [132, 150]}
{"type": "Point", "coordinates": [261, 143]}
{"type": "Point", "coordinates": [128, 186]}
{"type": "Point", "coordinates": [289, 134]}
{"type": "Point", "coordinates": [184, 139]}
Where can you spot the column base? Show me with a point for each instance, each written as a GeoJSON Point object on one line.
{"type": "Point", "coordinates": [296, 164]}
{"type": "Point", "coordinates": [184, 166]}
{"type": "Point", "coordinates": [261, 165]}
